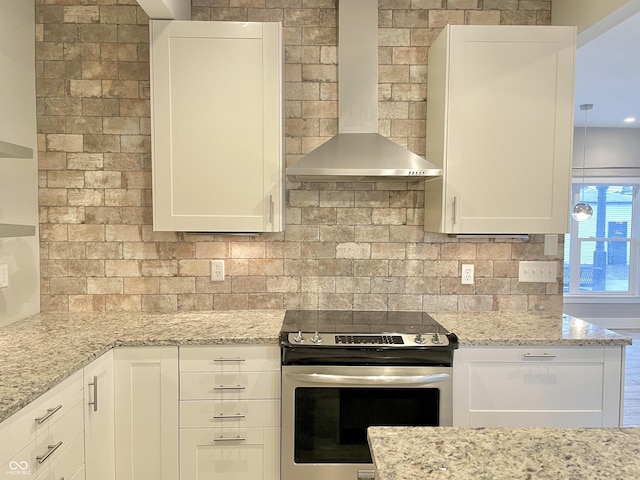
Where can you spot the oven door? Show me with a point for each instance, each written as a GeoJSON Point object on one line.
{"type": "Point", "coordinates": [326, 411]}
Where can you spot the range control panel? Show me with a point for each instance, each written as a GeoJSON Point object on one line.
{"type": "Point", "coordinates": [359, 339]}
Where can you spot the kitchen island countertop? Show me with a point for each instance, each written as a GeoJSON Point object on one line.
{"type": "Point", "coordinates": [455, 453]}
{"type": "Point", "coordinates": [40, 351]}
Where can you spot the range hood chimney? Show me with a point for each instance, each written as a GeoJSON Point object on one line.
{"type": "Point", "coordinates": [358, 152]}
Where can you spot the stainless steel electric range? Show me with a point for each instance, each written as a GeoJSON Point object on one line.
{"type": "Point", "coordinates": [343, 371]}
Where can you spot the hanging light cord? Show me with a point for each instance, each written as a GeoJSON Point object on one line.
{"type": "Point", "coordinates": [586, 107]}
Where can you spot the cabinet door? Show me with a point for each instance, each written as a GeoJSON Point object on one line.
{"type": "Point", "coordinates": [536, 386]}
{"type": "Point", "coordinates": [217, 126]}
{"type": "Point", "coordinates": [500, 121]}
{"type": "Point", "coordinates": [99, 418]}
{"type": "Point", "coordinates": [146, 413]}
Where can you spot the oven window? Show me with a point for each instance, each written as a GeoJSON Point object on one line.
{"type": "Point", "coordinates": [331, 423]}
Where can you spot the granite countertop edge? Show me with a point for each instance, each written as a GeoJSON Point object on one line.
{"type": "Point", "coordinates": [543, 453]}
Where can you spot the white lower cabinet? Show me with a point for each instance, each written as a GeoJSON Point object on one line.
{"type": "Point", "coordinates": [536, 386]}
{"type": "Point", "coordinates": [123, 423]}
{"type": "Point", "coordinates": [99, 418]}
{"type": "Point", "coordinates": [45, 436]}
{"type": "Point", "coordinates": [146, 413]}
{"type": "Point", "coordinates": [230, 412]}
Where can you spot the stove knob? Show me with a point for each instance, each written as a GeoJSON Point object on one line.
{"type": "Point", "coordinates": [298, 338]}
{"type": "Point", "coordinates": [420, 339]}
{"type": "Point", "coordinates": [316, 338]}
{"type": "Point", "coordinates": [437, 339]}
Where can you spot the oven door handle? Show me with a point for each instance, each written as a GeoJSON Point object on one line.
{"type": "Point", "coordinates": [369, 379]}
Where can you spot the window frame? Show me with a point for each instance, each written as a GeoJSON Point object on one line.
{"type": "Point", "coordinates": [633, 292]}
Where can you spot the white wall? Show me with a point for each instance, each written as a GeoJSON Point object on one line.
{"type": "Point", "coordinates": [592, 17]}
{"type": "Point", "coordinates": [607, 148]}
{"type": "Point", "coordinates": [18, 177]}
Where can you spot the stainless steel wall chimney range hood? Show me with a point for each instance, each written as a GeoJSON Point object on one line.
{"type": "Point", "coordinates": [358, 152]}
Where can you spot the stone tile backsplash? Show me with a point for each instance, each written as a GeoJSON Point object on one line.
{"type": "Point", "coordinates": [346, 246]}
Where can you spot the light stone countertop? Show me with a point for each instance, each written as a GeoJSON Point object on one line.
{"type": "Point", "coordinates": [39, 352]}
{"type": "Point", "coordinates": [457, 453]}
{"type": "Point", "coordinates": [528, 328]}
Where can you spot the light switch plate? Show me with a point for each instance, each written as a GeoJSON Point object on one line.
{"type": "Point", "coordinates": [4, 275]}
{"type": "Point", "coordinates": [545, 272]}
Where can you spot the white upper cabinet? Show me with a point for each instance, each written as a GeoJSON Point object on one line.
{"type": "Point", "coordinates": [217, 135]}
{"type": "Point", "coordinates": [500, 123]}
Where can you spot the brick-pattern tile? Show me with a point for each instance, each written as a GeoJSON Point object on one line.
{"type": "Point", "coordinates": [346, 245]}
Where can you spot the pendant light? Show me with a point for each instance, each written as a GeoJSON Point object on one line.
{"type": "Point", "coordinates": [582, 210]}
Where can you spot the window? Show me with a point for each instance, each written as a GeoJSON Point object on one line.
{"type": "Point", "coordinates": [601, 254]}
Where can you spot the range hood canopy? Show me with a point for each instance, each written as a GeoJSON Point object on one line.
{"type": "Point", "coordinates": [358, 152]}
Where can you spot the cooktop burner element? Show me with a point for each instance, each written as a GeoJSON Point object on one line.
{"type": "Point", "coordinates": [364, 337]}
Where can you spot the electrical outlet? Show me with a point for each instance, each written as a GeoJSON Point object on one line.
{"type": "Point", "coordinates": [4, 275]}
{"type": "Point", "coordinates": [467, 274]}
{"type": "Point", "coordinates": [545, 272]}
{"type": "Point", "coordinates": [217, 270]}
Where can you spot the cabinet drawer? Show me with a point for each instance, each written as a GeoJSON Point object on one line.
{"type": "Point", "coordinates": [229, 358]}
{"type": "Point", "coordinates": [203, 455]}
{"type": "Point", "coordinates": [240, 414]}
{"type": "Point", "coordinates": [231, 386]}
{"type": "Point", "coordinates": [50, 445]}
{"type": "Point", "coordinates": [62, 433]}
{"type": "Point", "coordinates": [527, 354]}
{"type": "Point", "coordinates": [20, 429]}
{"type": "Point", "coordinates": [70, 462]}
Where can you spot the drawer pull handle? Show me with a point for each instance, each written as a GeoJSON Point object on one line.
{"type": "Point", "coordinates": [225, 359]}
{"type": "Point", "coordinates": [52, 448]}
{"type": "Point", "coordinates": [222, 438]}
{"type": "Point", "coordinates": [50, 411]}
{"type": "Point", "coordinates": [539, 355]}
{"type": "Point", "coordinates": [94, 384]}
{"type": "Point", "coordinates": [228, 415]}
{"type": "Point", "coordinates": [228, 387]}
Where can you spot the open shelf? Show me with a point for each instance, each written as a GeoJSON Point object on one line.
{"type": "Point", "coordinates": [12, 230]}
{"type": "Point", "coordinates": [11, 150]}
